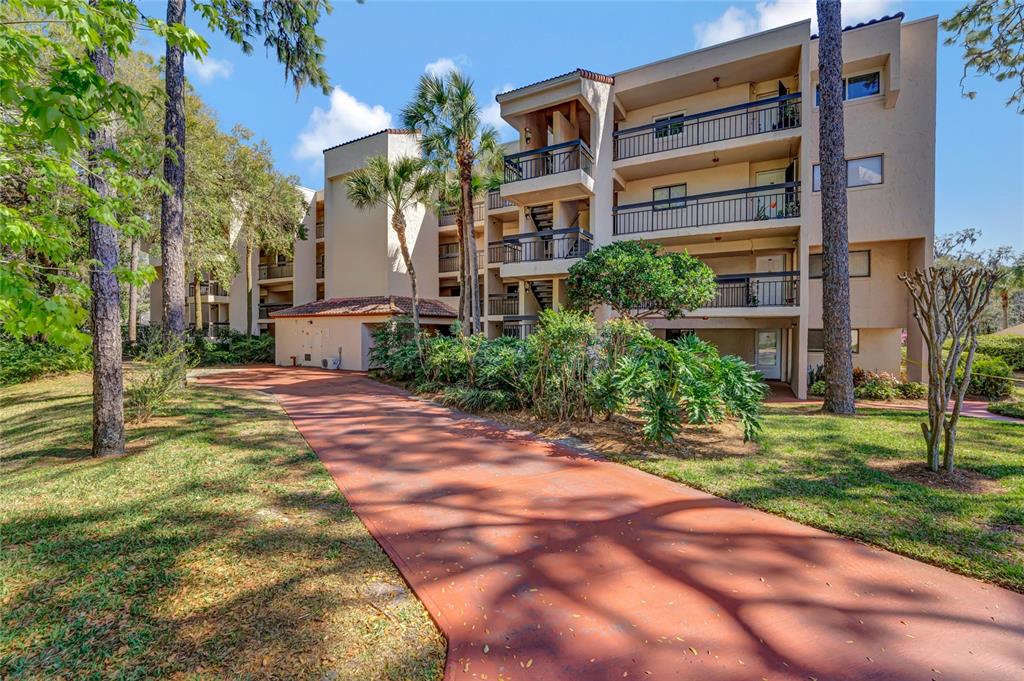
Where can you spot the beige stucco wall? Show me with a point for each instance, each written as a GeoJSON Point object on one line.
{"type": "Point", "coordinates": [305, 254]}
{"type": "Point", "coordinates": [879, 351]}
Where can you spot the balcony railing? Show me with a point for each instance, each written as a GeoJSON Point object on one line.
{"type": "Point", "coordinates": [756, 289]}
{"type": "Point", "coordinates": [768, 202]}
{"type": "Point", "coordinates": [448, 258]}
{"type": "Point", "coordinates": [449, 215]}
{"type": "Point", "coordinates": [320, 230]}
{"type": "Point", "coordinates": [557, 158]}
{"type": "Point", "coordinates": [276, 271]}
{"type": "Point", "coordinates": [550, 244]}
{"type": "Point", "coordinates": [267, 308]}
{"type": "Point", "coordinates": [519, 328]}
{"type": "Point", "coordinates": [495, 201]}
{"type": "Point", "coordinates": [503, 305]}
{"type": "Point", "coordinates": [679, 132]}
{"type": "Point", "coordinates": [320, 268]}
{"type": "Point", "coordinates": [496, 251]}
{"type": "Point", "coordinates": [207, 288]}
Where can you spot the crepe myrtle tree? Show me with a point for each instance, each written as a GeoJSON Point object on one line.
{"type": "Point", "coordinates": [637, 280]}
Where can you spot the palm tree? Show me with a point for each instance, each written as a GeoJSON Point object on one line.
{"type": "Point", "coordinates": [398, 186]}
{"type": "Point", "coordinates": [445, 111]}
{"type": "Point", "coordinates": [834, 236]}
{"type": "Point", "coordinates": [1011, 282]}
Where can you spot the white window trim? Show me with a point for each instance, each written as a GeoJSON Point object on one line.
{"type": "Point", "coordinates": [846, 79]}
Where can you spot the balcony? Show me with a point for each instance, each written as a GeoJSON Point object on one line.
{"type": "Point", "coordinates": [207, 288]}
{"type": "Point", "coordinates": [559, 171]}
{"type": "Point", "coordinates": [519, 328]}
{"type": "Point", "coordinates": [449, 215]}
{"type": "Point", "coordinates": [448, 258]}
{"type": "Point", "coordinates": [320, 268]}
{"type": "Point", "coordinates": [751, 204]}
{"type": "Point", "coordinates": [276, 271]}
{"type": "Point", "coordinates": [496, 202]}
{"type": "Point", "coordinates": [266, 309]}
{"type": "Point", "coordinates": [320, 229]}
{"type": "Point", "coordinates": [754, 290]}
{"type": "Point", "coordinates": [719, 125]}
{"type": "Point", "coordinates": [551, 244]}
{"type": "Point", "coordinates": [503, 305]}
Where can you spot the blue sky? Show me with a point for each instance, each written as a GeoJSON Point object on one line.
{"type": "Point", "coordinates": [377, 50]}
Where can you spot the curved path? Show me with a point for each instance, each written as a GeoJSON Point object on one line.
{"type": "Point", "coordinates": [539, 562]}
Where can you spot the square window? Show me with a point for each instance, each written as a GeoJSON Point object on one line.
{"type": "Point", "coordinates": [668, 125]}
{"type": "Point", "coordinates": [665, 195]}
{"type": "Point", "coordinates": [816, 340]}
{"type": "Point", "coordinates": [861, 172]}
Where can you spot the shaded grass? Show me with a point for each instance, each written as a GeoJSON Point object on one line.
{"type": "Point", "coordinates": [217, 546]}
{"type": "Point", "coordinates": [838, 474]}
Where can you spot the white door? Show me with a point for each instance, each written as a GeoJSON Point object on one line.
{"type": "Point", "coordinates": [768, 353]}
{"type": "Point", "coordinates": [768, 290]}
{"type": "Point", "coordinates": [769, 204]}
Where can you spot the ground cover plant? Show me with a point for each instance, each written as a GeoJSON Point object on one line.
{"type": "Point", "coordinates": [216, 547]}
{"type": "Point", "coordinates": [567, 370]}
{"type": "Point", "coordinates": [22, 360]}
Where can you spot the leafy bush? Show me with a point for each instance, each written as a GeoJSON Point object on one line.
{"type": "Point", "coordinates": [561, 360]}
{"type": "Point", "coordinates": [859, 377]}
{"type": "Point", "coordinates": [1008, 348]}
{"type": "Point", "coordinates": [815, 374]}
{"type": "Point", "coordinates": [818, 388]}
{"type": "Point", "coordinates": [477, 399]}
{"type": "Point", "coordinates": [883, 386]}
{"type": "Point", "coordinates": [912, 390]}
{"type": "Point", "coordinates": [989, 377]}
{"type": "Point", "coordinates": [231, 347]}
{"type": "Point", "coordinates": [22, 361]}
{"type": "Point", "coordinates": [160, 374]}
{"type": "Point", "coordinates": [1013, 408]}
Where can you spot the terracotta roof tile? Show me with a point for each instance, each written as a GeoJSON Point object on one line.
{"type": "Point", "coordinates": [365, 306]}
{"type": "Point", "coordinates": [582, 73]}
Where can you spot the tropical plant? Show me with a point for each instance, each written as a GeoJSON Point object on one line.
{"type": "Point", "coordinates": [835, 313]}
{"type": "Point", "coordinates": [637, 279]}
{"type": "Point", "coordinates": [24, 360]}
{"type": "Point", "coordinates": [288, 28]}
{"type": "Point", "coordinates": [398, 185]}
{"type": "Point", "coordinates": [445, 111]}
{"type": "Point", "coordinates": [991, 33]}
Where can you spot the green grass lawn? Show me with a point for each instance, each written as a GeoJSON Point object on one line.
{"type": "Point", "coordinates": [218, 546]}
{"type": "Point", "coordinates": [844, 475]}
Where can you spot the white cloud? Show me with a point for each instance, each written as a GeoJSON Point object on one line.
{"type": "Point", "coordinates": [444, 65]}
{"type": "Point", "coordinates": [491, 114]}
{"type": "Point", "coordinates": [737, 22]}
{"type": "Point", "coordinates": [208, 69]}
{"type": "Point", "coordinates": [346, 119]}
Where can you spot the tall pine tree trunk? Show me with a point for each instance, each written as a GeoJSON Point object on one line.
{"type": "Point", "coordinates": [834, 237]}
{"type": "Point", "coordinates": [172, 205]}
{"type": "Point", "coordinates": [198, 300]}
{"type": "Point", "coordinates": [105, 307]}
{"type": "Point", "coordinates": [133, 294]}
{"type": "Point", "coordinates": [248, 287]}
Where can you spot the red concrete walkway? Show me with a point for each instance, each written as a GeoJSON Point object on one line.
{"type": "Point", "coordinates": [538, 562]}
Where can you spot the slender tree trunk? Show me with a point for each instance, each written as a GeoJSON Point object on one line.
{"type": "Point", "coordinates": [107, 373]}
{"type": "Point", "coordinates": [835, 239]}
{"type": "Point", "coordinates": [465, 162]}
{"type": "Point", "coordinates": [1004, 301]}
{"type": "Point", "coordinates": [460, 222]}
{"type": "Point", "coordinates": [398, 224]}
{"type": "Point", "coordinates": [172, 205]}
{"type": "Point", "coordinates": [133, 294]}
{"type": "Point", "coordinates": [197, 299]}
{"type": "Point", "coordinates": [248, 287]}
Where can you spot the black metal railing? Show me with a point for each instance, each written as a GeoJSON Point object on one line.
{"type": "Point", "coordinates": [320, 230]}
{"type": "Point", "coordinates": [276, 271]}
{"type": "Point", "coordinates": [503, 304]}
{"type": "Point", "coordinates": [768, 202]}
{"type": "Point", "coordinates": [679, 132]}
{"type": "Point", "coordinates": [495, 200]}
{"type": "Point", "coordinates": [448, 258]}
{"type": "Point", "coordinates": [448, 215]}
{"type": "Point", "coordinates": [496, 251]}
{"type": "Point", "coordinates": [551, 244]}
{"type": "Point", "coordinates": [267, 308]}
{"type": "Point", "coordinates": [207, 288]}
{"type": "Point", "coordinates": [320, 268]}
{"type": "Point", "coordinates": [557, 158]}
{"type": "Point", "coordinates": [755, 289]}
{"type": "Point", "coordinates": [519, 328]}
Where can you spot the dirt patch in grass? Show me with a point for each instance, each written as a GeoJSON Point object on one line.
{"type": "Point", "coordinates": [621, 435]}
{"type": "Point", "coordinates": [959, 480]}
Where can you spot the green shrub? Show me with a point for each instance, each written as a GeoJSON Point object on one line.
{"type": "Point", "coordinates": [815, 374]}
{"type": "Point", "coordinates": [883, 386]}
{"type": "Point", "coordinates": [912, 390]}
{"type": "Point", "coordinates": [477, 399]}
{"type": "Point", "coordinates": [818, 388]}
{"type": "Point", "coordinates": [560, 364]}
{"type": "Point", "coordinates": [989, 377]}
{"type": "Point", "coordinates": [1008, 348]}
{"type": "Point", "coordinates": [1013, 408]}
{"type": "Point", "coordinates": [231, 347]}
{"type": "Point", "coordinates": [160, 374]}
{"type": "Point", "coordinates": [22, 361]}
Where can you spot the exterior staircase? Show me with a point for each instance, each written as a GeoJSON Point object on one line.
{"type": "Point", "coordinates": [543, 292]}
{"type": "Point", "coordinates": [542, 216]}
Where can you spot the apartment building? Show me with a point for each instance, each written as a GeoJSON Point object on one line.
{"type": "Point", "coordinates": [714, 152]}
